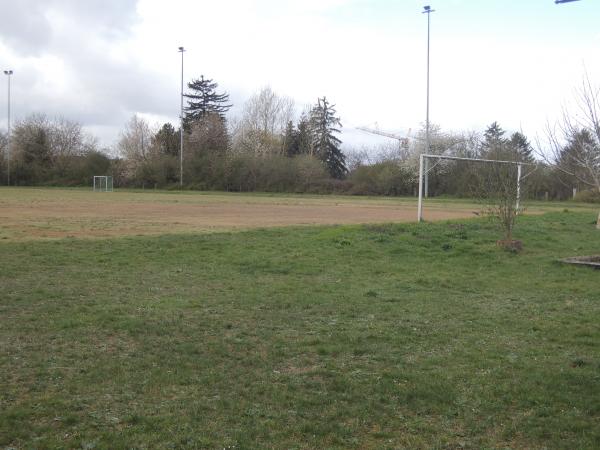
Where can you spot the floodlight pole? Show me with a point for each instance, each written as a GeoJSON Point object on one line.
{"type": "Point", "coordinates": [518, 187]}
{"type": "Point", "coordinates": [181, 50]}
{"type": "Point", "coordinates": [420, 206]}
{"type": "Point", "coordinates": [427, 10]}
{"type": "Point", "coordinates": [8, 73]}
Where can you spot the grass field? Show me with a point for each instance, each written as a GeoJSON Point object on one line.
{"type": "Point", "coordinates": [350, 336]}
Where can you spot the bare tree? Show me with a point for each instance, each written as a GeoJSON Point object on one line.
{"type": "Point", "coordinates": [208, 135]}
{"type": "Point", "coordinates": [68, 139]}
{"type": "Point", "coordinates": [263, 122]}
{"type": "Point", "coordinates": [499, 193]}
{"type": "Point", "coordinates": [358, 156]}
{"type": "Point", "coordinates": [30, 149]}
{"type": "Point", "coordinates": [136, 139]}
{"type": "Point", "coordinates": [497, 186]}
{"type": "Point", "coordinates": [463, 144]}
{"type": "Point", "coordinates": [573, 144]}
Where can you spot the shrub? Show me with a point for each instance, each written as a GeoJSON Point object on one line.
{"type": "Point", "coordinates": [384, 178]}
{"type": "Point", "coordinates": [589, 196]}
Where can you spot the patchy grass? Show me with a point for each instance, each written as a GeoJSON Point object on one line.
{"type": "Point", "coordinates": [56, 213]}
{"type": "Point", "coordinates": [375, 336]}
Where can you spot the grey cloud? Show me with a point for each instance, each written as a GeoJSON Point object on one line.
{"type": "Point", "coordinates": [80, 34]}
{"type": "Point", "coordinates": [26, 25]}
{"type": "Point", "coordinates": [105, 95]}
{"type": "Point", "coordinates": [23, 25]}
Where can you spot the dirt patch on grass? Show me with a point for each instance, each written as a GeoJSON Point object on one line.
{"type": "Point", "coordinates": [100, 216]}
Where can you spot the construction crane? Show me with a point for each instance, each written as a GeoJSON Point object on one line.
{"type": "Point", "coordinates": [404, 143]}
{"type": "Point", "coordinates": [404, 140]}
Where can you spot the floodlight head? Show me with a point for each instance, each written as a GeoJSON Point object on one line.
{"type": "Point", "coordinates": [427, 8]}
{"type": "Point", "coordinates": [181, 49]}
{"type": "Point", "coordinates": [8, 72]}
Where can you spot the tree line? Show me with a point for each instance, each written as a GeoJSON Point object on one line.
{"type": "Point", "coordinates": [47, 151]}
{"type": "Point", "coordinates": [263, 149]}
{"type": "Point", "coordinates": [269, 148]}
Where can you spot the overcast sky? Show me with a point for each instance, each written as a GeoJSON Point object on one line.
{"type": "Point", "coordinates": [100, 61]}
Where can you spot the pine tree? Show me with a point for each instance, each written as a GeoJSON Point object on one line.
{"type": "Point", "coordinates": [494, 143]}
{"type": "Point", "coordinates": [290, 140]}
{"type": "Point", "coordinates": [494, 134]}
{"type": "Point", "coordinates": [167, 140]}
{"type": "Point", "coordinates": [325, 145]}
{"type": "Point", "coordinates": [579, 152]}
{"type": "Point", "coordinates": [520, 144]}
{"type": "Point", "coordinates": [204, 100]}
{"type": "Point", "coordinates": [304, 136]}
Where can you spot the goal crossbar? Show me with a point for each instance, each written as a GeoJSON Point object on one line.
{"type": "Point", "coordinates": [423, 171]}
{"type": "Point", "coordinates": [477, 160]}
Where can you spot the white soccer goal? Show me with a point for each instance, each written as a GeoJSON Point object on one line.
{"type": "Point", "coordinates": [424, 170]}
{"type": "Point", "coordinates": [103, 183]}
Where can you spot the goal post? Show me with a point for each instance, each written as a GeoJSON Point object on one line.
{"type": "Point", "coordinates": [424, 169]}
{"type": "Point", "coordinates": [103, 183]}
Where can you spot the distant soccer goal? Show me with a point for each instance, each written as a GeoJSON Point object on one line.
{"type": "Point", "coordinates": [103, 183]}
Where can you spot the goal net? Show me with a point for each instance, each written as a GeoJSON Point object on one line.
{"type": "Point", "coordinates": [103, 183]}
{"type": "Point", "coordinates": [484, 182]}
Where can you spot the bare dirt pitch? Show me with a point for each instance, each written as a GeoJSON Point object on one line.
{"type": "Point", "coordinates": [55, 213]}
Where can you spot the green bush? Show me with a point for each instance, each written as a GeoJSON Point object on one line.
{"type": "Point", "coordinates": [384, 178]}
{"type": "Point", "coordinates": [589, 196]}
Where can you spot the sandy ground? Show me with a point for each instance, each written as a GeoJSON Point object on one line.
{"type": "Point", "coordinates": [56, 213]}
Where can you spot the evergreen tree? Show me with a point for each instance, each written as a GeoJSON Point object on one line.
{"type": "Point", "coordinates": [493, 144]}
{"type": "Point", "coordinates": [520, 144]}
{"type": "Point", "coordinates": [304, 136]}
{"type": "Point", "coordinates": [290, 140]}
{"type": "Point", "coordinates": [494, 134]}
{"type": "Point", "coordinates": [580, 152]}
{"type": "Point", "coordinates": [297, 140]}
{"type": "Point", "coordinates": [204, 100]}
{"type": "Point", "coordinates": [325, 145]}
{"type": "Point", "coordinates": [166, 140]}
